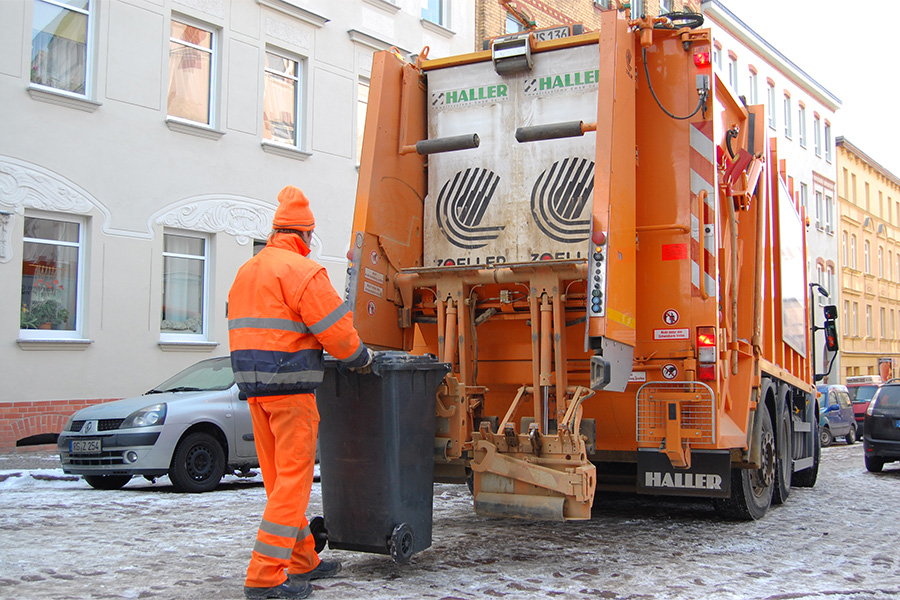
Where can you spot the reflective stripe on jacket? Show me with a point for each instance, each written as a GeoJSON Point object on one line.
{"type": "Point", "coordinates": [282, 312]}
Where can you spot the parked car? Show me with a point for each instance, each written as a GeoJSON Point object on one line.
{"type": "Point", "coordinates": [835, 414]}
{"type": "Point", "coordinates": [882, 438]}
{"type": "Point", "coordinates": [862, 389]}
{"type": "Point", "coordinates": [195, 428]}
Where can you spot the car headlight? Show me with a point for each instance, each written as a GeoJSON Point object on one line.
{"type": "Point", "coordinates": [155, 414]}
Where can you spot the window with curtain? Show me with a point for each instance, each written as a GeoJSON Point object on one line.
{"type": "Point", "coordinates": [817, 135]}
{"type": "Point", "coordinates": [787, 117]}
{"type": "Point", "coordinates": [282, 104]}
{"type": "Point", "coordinates": [801, 125]}
{"type": "Point", "coordinates": [191, 71]}
{"type": "Point", "coordinates": [51, 259]}
{"type": "Point", "coordinates": [59, 44]}
{"type": "Point", "coordinates": [770, 101]}
{"type": "Point", "coordinates": [184, 284]}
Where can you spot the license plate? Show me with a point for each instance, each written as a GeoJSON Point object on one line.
{"type": "Point", "coordinates": [84, 446]}
{"type": "Point", "coordinates": [551, 34]}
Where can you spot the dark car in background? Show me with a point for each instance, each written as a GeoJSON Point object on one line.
{"type": "Point", "coordinates": [882, 438]}
{"type": "Point", "coordinates": [835, 414]}
{"type": "Point", "coordinates": [862, 389]}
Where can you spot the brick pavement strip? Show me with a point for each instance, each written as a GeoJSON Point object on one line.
{"type": "Point", "coordinates": [63, 539]}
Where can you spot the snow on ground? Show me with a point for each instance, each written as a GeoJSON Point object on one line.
{"type": "Point", "coordinates": [60, 539]}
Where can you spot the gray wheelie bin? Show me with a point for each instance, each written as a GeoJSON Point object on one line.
{"type": "Point", "coordinates": [376, 453]}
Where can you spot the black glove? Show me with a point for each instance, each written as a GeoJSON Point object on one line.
{"type": "Point", "coordinates": [367, 367]}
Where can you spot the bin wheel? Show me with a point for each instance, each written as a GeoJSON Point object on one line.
{"type": "Point", "coordinates": [401, 543]}
{"type": "Point", "coordinates": [319, 533]}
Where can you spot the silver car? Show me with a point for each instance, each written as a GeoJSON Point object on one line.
{"type": "Point", "coordinates": [195, 428]}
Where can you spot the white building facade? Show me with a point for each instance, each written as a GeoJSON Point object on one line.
{"type": "Point", "coordinates": [142, 146]}
{"type": "Point", "coordinates": [801, 114]}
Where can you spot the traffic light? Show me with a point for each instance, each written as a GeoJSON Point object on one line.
{"type": "Point", "coordinates": [830, 327]}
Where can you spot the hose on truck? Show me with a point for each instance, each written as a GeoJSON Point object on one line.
{"type": "Point", "coordinates": [700, 103]}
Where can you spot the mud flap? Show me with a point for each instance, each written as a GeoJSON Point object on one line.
{"type": "Point", "coordinates": [709, 475]}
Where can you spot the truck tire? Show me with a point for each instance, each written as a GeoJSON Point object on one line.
{"type": "Point", "coordinates": [785, 462]}
{"type": "Point", "coordinates": [752, 489]}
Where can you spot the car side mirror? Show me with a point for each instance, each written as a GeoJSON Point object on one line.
{"type": "Point", "coordinates": [832, 408]}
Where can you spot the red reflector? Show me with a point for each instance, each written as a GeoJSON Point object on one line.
{"type": "Point", "coordinates": [706, 372]}
{"type": "Point", "coordinates": [701, 59]}
{"type": "Point", "coordinates": [706, 336]}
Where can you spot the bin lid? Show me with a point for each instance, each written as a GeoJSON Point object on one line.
{"type": "Point", "coordinates": [398, 360]}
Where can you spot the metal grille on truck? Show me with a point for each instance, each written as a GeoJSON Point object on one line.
{"type": "Point", "coordinates": [695, 401]}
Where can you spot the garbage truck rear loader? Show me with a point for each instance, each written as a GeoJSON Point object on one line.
{"type": "Point", "coordinates": [596, 234]}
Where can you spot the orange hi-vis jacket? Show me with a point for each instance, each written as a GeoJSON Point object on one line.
{"type": "Point", "coordinates": [282, 312]}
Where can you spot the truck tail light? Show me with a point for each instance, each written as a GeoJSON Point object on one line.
{"type": "Point", "coordinates": [702, 59]}
{"type": "Point", "coordinates": [706, 353]}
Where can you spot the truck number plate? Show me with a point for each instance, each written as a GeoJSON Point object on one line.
{"type": "Point", "coordinates": [550, 34]}
{"type": "Point", "coordinates": [84, 446]}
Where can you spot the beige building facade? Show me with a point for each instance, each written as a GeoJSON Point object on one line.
{"type": "Point", "coordinates": [143, 145]}
{"type": "Point", "coordinates": [869, 200]}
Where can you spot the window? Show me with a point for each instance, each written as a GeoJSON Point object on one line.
{"type": "Point", "coordinates": [853, 251]}
{"type": "Point", "coordinates": [60, 45]}
{"type": "Point", "coordinates": [897, 260]}
{"type": "Point", "coordinates": [827, 141]}
{"type": "Point", "coordinates": [665, 6]}
{"type": "Point", "coordinates": [52, 259]}
{"type": "Point", "coordinates": [880, 262]}
{"type": "Point", "coordinates": [883, 323]}
{"type": "Point", "coordinates": [804, 197]}
{"type": "Point", "coordinates": [868, 320]}
{"type": "Point", "coordinates": [856, 319]}
{"type": "Point", "coordinates": [801, 124]}
{"type": "Point", "coordinates": [436, 11]}
{"type": "Point", "coordinates": [717, 57]}
{"type": "Point", "coordinates": [513, 25]}
{"type": "Point", "coordinates": [844, 249]}
{"type": "Point", "coordinates": [891, 330]}
{"type": "Point", "coordinates": [817, 135]}
{"type": "Point", "coordinates": [868, 199]}
{"type": "Point", "coordinates": [820, 211]}
{"type": "Point", "coordinates": [282, 105]}
{"type": "Point", "coordinates": [362, 107]}
{"type": "Point", "coordinates": [733, 73]}
{"type": "Point", "coordinates": [830, 283]}
{"type": "Point", "coordinates": [184, 285]}
{"type": "Point", "coordinates": [829, 212]}
{"type": "Point", "coordinates": [637, 8]}
{"type": "Point", "coordinates": [867, 261]}
{"type": "Point", "coordinates": [890, 265]}
{"type": "Point", "coordinates": [191, 72]}
{"type": "Point", "coordinates": [846, 317]}
{"type": "Point", "coordinates": [770, 101]}
{"type": "Point", "coordinates": [787, 116]}
{"type": "Point", "coordinates": [753, 91]}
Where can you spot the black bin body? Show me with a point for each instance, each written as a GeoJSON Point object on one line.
{"type": "Point", "coordinates": [376, 451]}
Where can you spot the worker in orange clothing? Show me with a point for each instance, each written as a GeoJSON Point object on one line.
{"type": "Point", "coordinates": [283, 311]}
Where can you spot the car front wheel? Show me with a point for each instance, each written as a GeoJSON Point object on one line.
{"type": "Point", "coordinates": [107, 482]}
{"type": "Point", "coordinates": [851, 437]}
{"type": "Point", "coordinates": [198, 464]}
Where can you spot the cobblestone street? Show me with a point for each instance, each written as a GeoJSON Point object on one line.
{"type": "Point", "coordinates": [63, 539]}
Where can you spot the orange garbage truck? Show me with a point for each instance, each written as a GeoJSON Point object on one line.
{"type": "Point", "coordinates": [598, 237]}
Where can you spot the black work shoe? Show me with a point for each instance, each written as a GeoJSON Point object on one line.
{"type": "Point", "coordinates": [289, 589]}
{"type": "Point", "coordinates": [324, 570]}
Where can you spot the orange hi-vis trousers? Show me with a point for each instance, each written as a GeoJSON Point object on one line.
{"type": "Point", "coordinates": [285, 429]}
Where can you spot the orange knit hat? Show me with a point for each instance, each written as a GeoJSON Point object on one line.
{"type": "Point", "coordinates": [293, 211]}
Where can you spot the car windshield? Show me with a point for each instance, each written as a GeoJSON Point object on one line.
{"type": "Point", "coordinates": [863, 393]}
{"type": "Point", "coordinates": [889, 397]}
{"type": "Point", "coordinates": [206, 375]}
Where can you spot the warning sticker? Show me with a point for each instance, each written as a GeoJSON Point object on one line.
{"type": "Point", "coordinates": [374, 276]}
{"type": "Point", "coordinates": [637, 377]}
{"type": "Point", "coordinates": [371, 288]}
{"type": "Point", "coordinates": [670, 371]}
{"type": "Point", "coordinates": [671, 334]}
{"type": "Point", "coordinates": [370, 307]}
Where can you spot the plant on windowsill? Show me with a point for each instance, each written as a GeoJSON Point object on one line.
{"type": "Point", "coordinates": [46, 310]}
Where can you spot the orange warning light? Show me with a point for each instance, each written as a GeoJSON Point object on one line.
{"type": "Point", "coordinates": [702, 59]}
